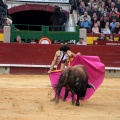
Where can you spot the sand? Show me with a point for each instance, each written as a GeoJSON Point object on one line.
{"type": "Point", "coordinates": [27, 97]}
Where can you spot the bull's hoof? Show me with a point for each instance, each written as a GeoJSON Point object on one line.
{"type": "Point", "coordinates": [81, 98]}
{"type": "Point", "coordinates": [73, 103]}
{"type": "Point", "coordinates": [77, 104]}
{"type": "Point", "coordinates": [53, 99]}
{"type": "Point", "coordinates": [64, 100]}
{"type": "Point", "coordinates": [57, 102]}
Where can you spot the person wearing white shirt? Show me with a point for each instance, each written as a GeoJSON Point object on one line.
{"type": "Point", "coordinates": [81, 42]}
{"type": "Point", "coordinates": [106, 30]}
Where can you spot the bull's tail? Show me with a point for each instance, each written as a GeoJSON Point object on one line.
{"type": "Point", "coordinates": [85, 87]}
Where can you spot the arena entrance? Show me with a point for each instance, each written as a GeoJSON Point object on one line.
{"type": "Point", "coordinates": [32, 15]}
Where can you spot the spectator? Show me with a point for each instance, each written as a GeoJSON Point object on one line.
{"type": "Point", "coordinates": [101, 7]}
{"type": "Point", "coordinates": [81, 8]}
{"type": "Point", "coordinates": [85, 14]}
{"type": "Point", "coordinates": [32, 41]}
{"type": "Point", "coordinates": [117, 13]}
{"type": "Point", "coordinates": [90, 3]}
{"type": "Point", "coordinates": [78, 2]}
{"type": "Point", "coordinates": [81, 42]}
{"type": "Point", "coordinates": [102, 37]}
{"type": "Point", "coordinates": [57, 42]}
{"type": "Point", "coordinates": [106, 11]}
{"type": "Point", "coordinates": [118, 5]}
{"type": "Point", "coordinates": [86, 2]}
{"type": "Point", "coordinates": [70, 42]}
{"type": "Point", "coordinates": [95, 10]}
{"type": "Point", "coordinates": [111, 38]}
{"type": "Point", "coordinates": [3, 8]}
{"type": "Point", "coordinates": [107, 23]}
{"type": "Point", "coordinates": [8, 22]}
{"type": "Point", "coordinates": [95, 29]}
{"type": "Point", "coordinates": [57, 19]}
{"type": "Point", "coordinates": [85, 23]}
{"type": "Point", "coordinates": [103, 21]}
{"type": "Point", "coordinates": [98, 23]}
{"type": "Point", "coordinates": [113, 16]}
{"type": "Point", "coordinates": [94, 19]}
{"type": "Point", "coordinates": [94, 15]}
{"type": "Point", "coordinates": [113, 25]}
{"type": "Point", "coordinates": [18, 39]}
{"type": "Point", "coordinates": [73, 6]}
{"type": "Point", "coordinates": [119, 32]}
{"type": "Point", "coordinates": [112, 7]}
{"type": "Point", "coordinates": [106, 30]}
{"type": "Point", "coordinates": [63, 16]}
{"type": "Point", "coordinates": [117, 27]}
{"type": "Point", "coordinates": [108, 4]}
{"type": "Point", "coordinates": [88, 9]}
{"type": "Point", "coordinates": [63, 19]}
{"type": "Point", "coordinates": [99, 3]}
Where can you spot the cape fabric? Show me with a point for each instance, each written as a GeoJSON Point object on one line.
{"type": "Point", "coordinates": [94, 68]}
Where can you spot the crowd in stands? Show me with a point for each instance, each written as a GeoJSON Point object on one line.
{"type": "Point", "coordinates": [5, 19]}
{"type": "Point", "coordinates": [59, 19]}
{"type": "Point", "coordinates": [99, 16]}
{"type": "Point", "coordinates": [96, 16]}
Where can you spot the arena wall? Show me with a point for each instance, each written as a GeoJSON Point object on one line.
{"type": "Point", "coordinates": [36, 58]}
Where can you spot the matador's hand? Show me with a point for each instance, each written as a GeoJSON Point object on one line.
{"type": "Point", "coordinates": [49, 71]}
{"type": "Point", "coordinates": [78, 53]}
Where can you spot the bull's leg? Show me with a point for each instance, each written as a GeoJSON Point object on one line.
{"type": "Point", "coordinates": [66, 94]}
{"type": "Point", "coordinates": [73, 101]}
{"type": "Point", "coordinates": [58, 90]}
{"type": "Point", "coordinates": [77, 101]}
{"type": "Point", "coordinates": [53, 99]}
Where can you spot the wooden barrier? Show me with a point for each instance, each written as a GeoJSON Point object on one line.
{"type": "Point", "coordinates": [97, 42]}
{"type": "Point", "coordinates": [37, 54]}
{"type": "Point", "coordinates": [91, 37]}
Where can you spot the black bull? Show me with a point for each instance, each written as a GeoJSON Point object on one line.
{"type": "Point", "coordinates": [74, 79]}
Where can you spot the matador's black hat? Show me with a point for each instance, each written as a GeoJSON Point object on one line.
{"type": "Point", "coordinates": [64, 48]}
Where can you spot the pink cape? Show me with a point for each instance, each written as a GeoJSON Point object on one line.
{"type": "Point", "coordinates": [95, 70]}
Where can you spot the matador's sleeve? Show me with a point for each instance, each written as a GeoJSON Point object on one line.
{"type": "Point", "coordinates": [55, 60]}
{"type": "Point", "coordinates": [71, 54]}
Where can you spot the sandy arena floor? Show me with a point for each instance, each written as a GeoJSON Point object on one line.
{"type": "Point", "coordinates": [25, 97]}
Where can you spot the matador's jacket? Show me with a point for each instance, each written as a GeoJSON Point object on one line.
{"type": "Point", "coordinates": [57, 58]}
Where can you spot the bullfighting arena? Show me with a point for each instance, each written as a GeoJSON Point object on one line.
{"type": "Point", "coordinates": [27, 97]}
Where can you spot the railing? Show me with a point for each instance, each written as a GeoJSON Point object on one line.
{"type": "Point", "coordinates": [36, 32]}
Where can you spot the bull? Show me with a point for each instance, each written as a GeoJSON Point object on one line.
{"type": "Point", "coordinates": [74, 79]}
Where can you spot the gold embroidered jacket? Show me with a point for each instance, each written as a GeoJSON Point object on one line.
{"type": "Point", "coordinates": [57, 58]}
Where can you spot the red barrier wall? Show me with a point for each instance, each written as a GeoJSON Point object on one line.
{"type": "Point", "coordinates": [36, 54]}
{"type": "Point", "coordinates": [28, 70]}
